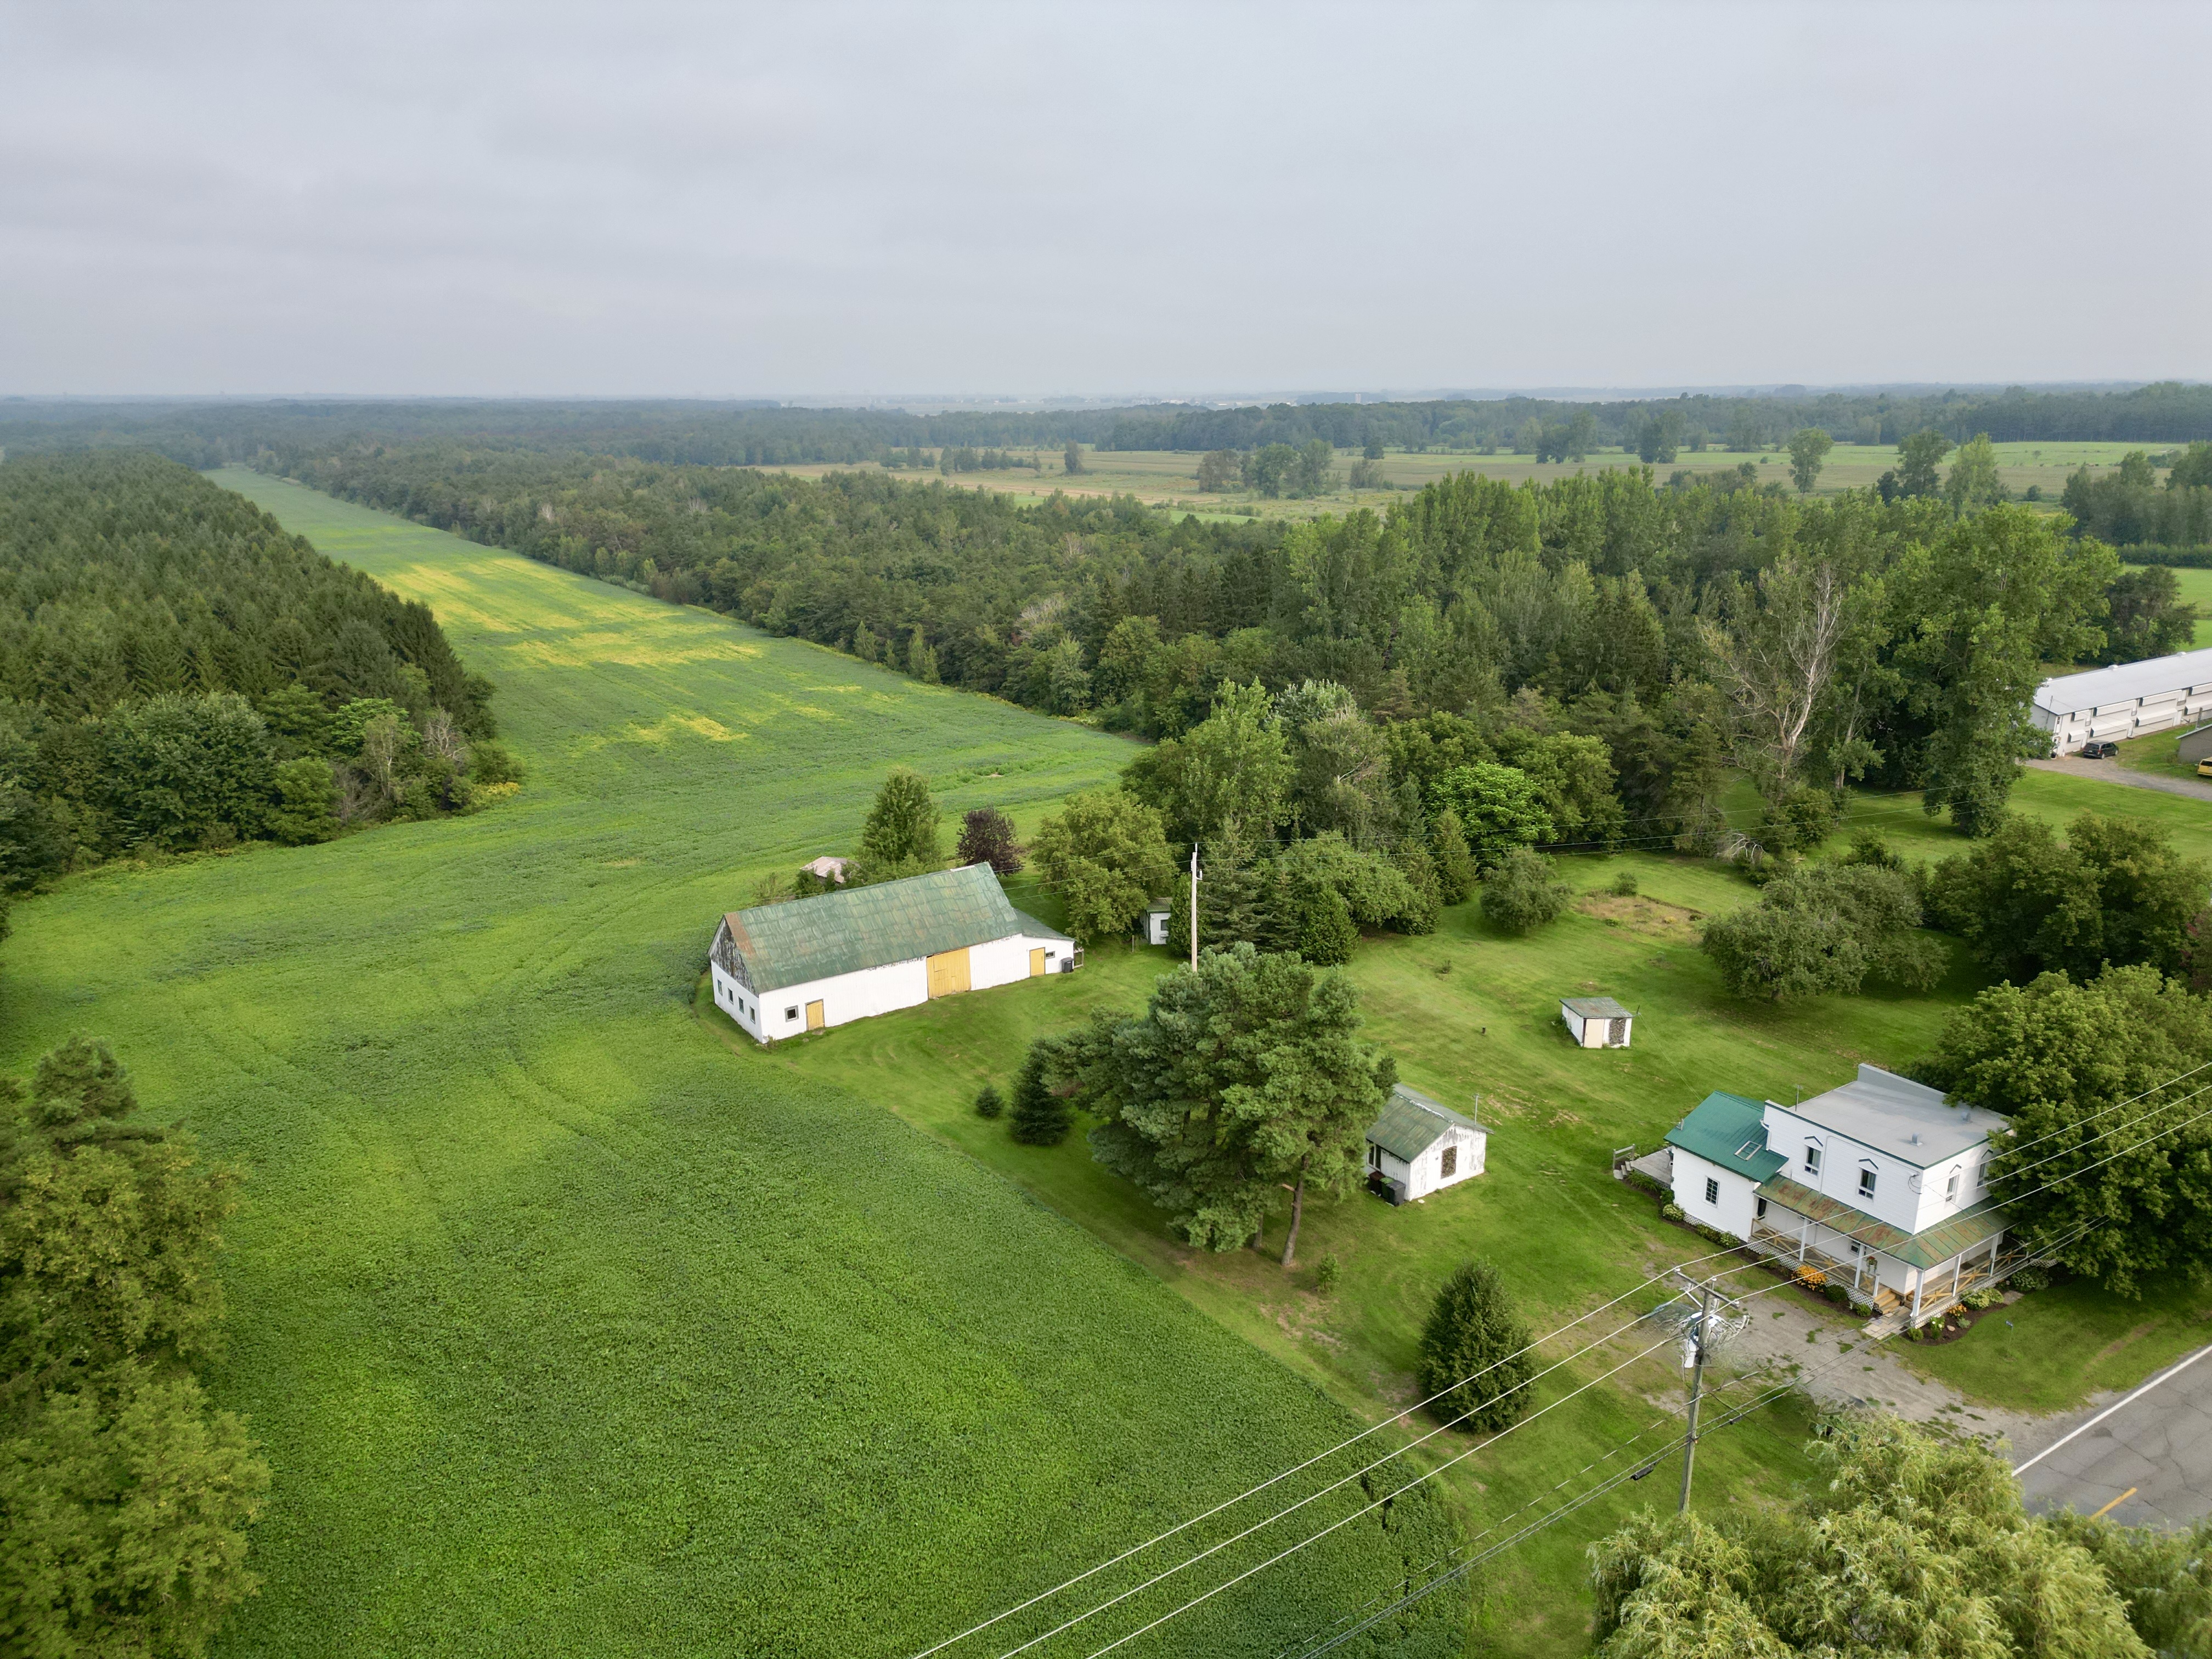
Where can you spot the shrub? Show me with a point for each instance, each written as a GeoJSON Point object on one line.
{"type": "Point", "coordinates": [1624, 884]}
{"type": "Point", "coordinates": [2031, 1277]}
{"type": "Point", "coordinates": [1810, 1276]}
{"type": "Point", "coordinates": [1522, 893]}
{"type": "Point", "coordinates": [306, 791]}
{"type": "Point", "coordinates": [989, 1102]}
{"type": "Point", "coordinates": [986, 837]}
{"type": "Point", "coordinates": [1839, 1294]}
{"type": "Point", "coordinates": [1672, 1212]}
{"type": "Point", "coordinates": [1473, 1353]}
{"type": "Point", "coordinates": [1825, 930]}
{"type": "Point", "coordinates": [493, 762]}
{"type": "Point", "coordinates": [1326, 1273]}
{"type": "Point", "coordinates": [1325, 933]}
{"type": "Point", "coordinates": [1981, 1299]}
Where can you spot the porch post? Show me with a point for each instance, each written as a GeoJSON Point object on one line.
{"type": "Point", "coordinates": [1804, 1233]}
{"type": "Point", "coordinates": [1919, 1284]}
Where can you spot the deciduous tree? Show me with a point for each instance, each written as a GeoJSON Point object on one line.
{"type": "Point", "coordinates": [899, 836]}
{"type": "Point", "coordinates": [1105, 856]}
{"type": "Point", "coordinates": [1808, 452]}
{"type": "Point", "coordinates": [986, 837]}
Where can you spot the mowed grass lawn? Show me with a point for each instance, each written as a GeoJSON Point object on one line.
{"type": "Point", "coordinates": [1472, 1017]}
{"type": "Point", "coordinates": [564, 1335]}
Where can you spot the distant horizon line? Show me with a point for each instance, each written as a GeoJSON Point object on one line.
{"type": "Point", "coordinates": [1070, 402]}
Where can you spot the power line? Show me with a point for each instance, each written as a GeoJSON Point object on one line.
{"type": "Point", "coordinates": [1341, 1445]}
{"type": "Point", "coordinates": [1315, 1537]}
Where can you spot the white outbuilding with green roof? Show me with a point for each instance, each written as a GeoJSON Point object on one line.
{"type": "Point", "coordinates": [1419, 1145]}
{"type": "Point", "coordinates": [782, 970]}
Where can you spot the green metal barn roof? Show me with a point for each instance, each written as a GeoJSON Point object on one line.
{"type": "Point", "coordinates": [862, 928]}
{"type": "Point", "coordinates": [1729, 1130]}
{"type": "Point", "coordinates": [1412, 1123]}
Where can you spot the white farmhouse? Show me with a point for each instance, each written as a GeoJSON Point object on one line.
{"type": "Point", "coordinates": [1597, 1021]}
{"type": "Point", "coordinates": [2106, 705]}
{"type": "Point", "coordinates": [783, 970]}
{"type": "Point", "coordinates": [1878, 1184]}
{"type": "Point", "coordinates": [1419, 1145]}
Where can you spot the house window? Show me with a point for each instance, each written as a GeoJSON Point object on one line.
{"type": "Point", "coordinates": [1374, 1156]}
{"type": "Point", "coordinates": [1759, 1209]}
{"type": "Point", "coordinates": [1812, 1158]}
{"type": "Point", "coordinates": [1866, 1183]}
{"type": "Point", "coordinates": [1448, 1166]}
{"type": "Point", "coordinates": [790, 1014]}
{"type": "Point", "coordinates": [1951, 1189]}
{"type": "Point", "coordinates": [1713, 1190]}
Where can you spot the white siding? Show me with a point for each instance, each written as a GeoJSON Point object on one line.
{"type": "Point", "coordinates": [1424, 1175]}
{"type": "Point", "coordinates": [1908, 1197]}
{"type": "Point", "coordinates": [1593, 1032]}
{"type": "Point", "coordinates": [1737, 1197]}
{"type": "Point", "coordinates": [871, 991]}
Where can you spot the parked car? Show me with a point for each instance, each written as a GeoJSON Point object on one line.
{"type": "Point", "coordinates": [2100, 751]}
{"type": "Point", "coordinates": [2204, 769]}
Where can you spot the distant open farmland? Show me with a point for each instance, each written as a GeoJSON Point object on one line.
{"type": "Point", "coordinates": [564, 1336]}
{"type": "Point", "coordinates": [1169, 478]}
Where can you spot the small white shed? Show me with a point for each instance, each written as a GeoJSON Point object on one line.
{"type": "Point", "coordinates": [1419, 1145]}
{"type": "Point", "coordinates": [1596, 1022]}
{"type": "Point", "coordinates": [1156, 921]}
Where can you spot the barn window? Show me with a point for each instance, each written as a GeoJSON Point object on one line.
{"type": "Point", "coordinates": [1866, 1183]}
{"type": "Point", "coordinates": [1713, 1190]}
{"type": "Point", "coordinates": [1374, 1156]}
{"type": "Point", "coordinates": [790, 1014]}
{"type": "Point", "coordinates": [1450, 1166]}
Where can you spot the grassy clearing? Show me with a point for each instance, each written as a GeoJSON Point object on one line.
{"type": "Point", "coordinates": [566, 1336]}
{"type": "Point", "coordinates": [1169, 478]}
{"type": "Point", "coordinates": [2052, 1349]}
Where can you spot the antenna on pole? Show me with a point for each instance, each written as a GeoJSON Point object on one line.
{"type": "Point", "coordinates": [1193, 906]}
{"type": "Point", "coordinates": [1703, 1326]}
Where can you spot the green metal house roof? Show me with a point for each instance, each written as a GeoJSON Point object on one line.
{"type": "Point", "coordinates": [1412, 1123]}
{"type": "Point", "coordinates": [1729, 1130]}
{"type": "Point", "coordinates": [861, 927]}
{"type": "Point", "coordinates": [1972, 1225]}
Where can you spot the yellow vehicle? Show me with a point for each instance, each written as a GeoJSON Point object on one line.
{"type": "Point", "coordinates": [2204, 768]}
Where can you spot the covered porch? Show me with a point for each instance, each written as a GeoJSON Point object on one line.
{"type": "Point", "coordinates": [1904, 1278]}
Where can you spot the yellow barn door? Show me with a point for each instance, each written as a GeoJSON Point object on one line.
{"type": "Point", "coordinates": [1036, 962]}
{"type": "Point", "coordinates": [814, 1019]}
{"type": "Point", "coordinates": [949, 973]}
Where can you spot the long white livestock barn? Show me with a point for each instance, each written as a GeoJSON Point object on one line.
{"type": "Point", "coordinates": [2106, 705]}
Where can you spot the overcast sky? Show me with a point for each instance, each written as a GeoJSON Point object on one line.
{"type": "Point", "coordinates": [1105, 198]}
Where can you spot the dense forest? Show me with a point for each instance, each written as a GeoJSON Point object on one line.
{"type": "Point", "coordinates": [1651, 637]}
{"type": "Point", "coordinates": [2129, 508]}
{"type": "Point", "coordinates": [176, 670]}
{"type": "Point", "coordinates": [277, 434]}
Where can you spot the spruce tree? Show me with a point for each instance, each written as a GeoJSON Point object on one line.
{"type": "Point", "coordinates": [1472, 1358]}
{"type": "Point", "coordinates": [1326, 933]}
{"type": "Point", "coordinates": [1455, 871]}
{"type": "Point", "coordinates": [1042, 1118]}
{"type": "Point", "coordinates": [989, 1102]}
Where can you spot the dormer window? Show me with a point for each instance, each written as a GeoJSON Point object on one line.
{"type": "Point", "coordinates": [1866, 1183]}
{"type": "Point", "coordinates": [1812, 1158]}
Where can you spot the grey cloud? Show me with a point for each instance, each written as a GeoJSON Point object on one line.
{"type": "Point", "coordinates": [660, 199]}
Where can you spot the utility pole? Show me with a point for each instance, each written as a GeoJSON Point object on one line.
{"type": "Point", "coordinates": [1194, 907]}
{"type": "Point", "coordinates": [1697, 1386]}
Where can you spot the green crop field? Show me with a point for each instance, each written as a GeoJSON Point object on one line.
{"type": "Point", "coordinates": [575, 1322]}
{"type": "Point", "coordinates": [567, 1335]}
{"type": "Point", "coordinates": [1169, 478]}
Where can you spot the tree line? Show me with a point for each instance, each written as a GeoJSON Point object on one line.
{"type": "Point", "coordinates": [124, 1494]}
{"type": "Point", "coordinates": [755, 432]}
{"type": "Point", "coordinates": [177, 671]}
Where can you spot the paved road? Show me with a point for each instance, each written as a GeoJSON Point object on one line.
{"type": "Point", "coordinates": [2160, 1444]}
{"type": "Point", "coordinates": [2111, 771]}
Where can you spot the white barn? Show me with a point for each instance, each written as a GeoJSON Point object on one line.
{"type": "Point", "coordinates": [1419, 1145]}
{"type": "Point", "coordinates": [1597, 1021]}
{"type": "Point", "coordinates": [1878, 1183]}
{"type": "Point", "coordinates": [2107, 705]}
{"type": "Point", "coordinates": [782, 970]}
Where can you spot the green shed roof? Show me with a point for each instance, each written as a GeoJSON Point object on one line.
{"type": "Point", "coordinates": [1929, 1248]}
{"type": "Point", "coordinates": [1412, 1123]}
{"type": "Point", "coordinates": [862, 928]}
{"type": "Point", "coordinates": [1729, 1130]}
